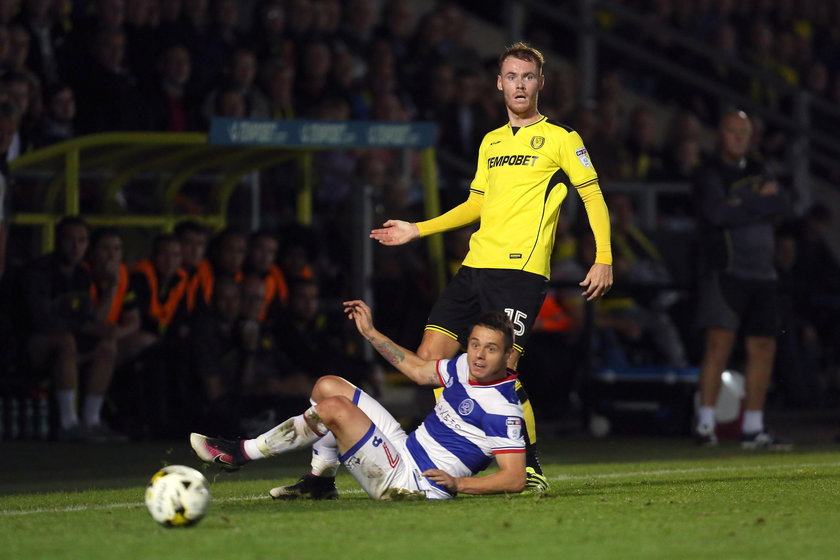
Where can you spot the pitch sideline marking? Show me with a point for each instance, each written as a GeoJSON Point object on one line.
{"type": "Point", "coordinates": [562, 477]}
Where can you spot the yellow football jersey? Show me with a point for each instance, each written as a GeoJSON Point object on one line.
{"type": "Point", "coordinates": [524, 177]}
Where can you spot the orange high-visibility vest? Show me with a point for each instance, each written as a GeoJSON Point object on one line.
{"type": "Point", "coordinates": [119, 296]}
{"type": "Point", "coordinates": [552, 317]}
{"type": "Point", "coordinates": [162, 312]}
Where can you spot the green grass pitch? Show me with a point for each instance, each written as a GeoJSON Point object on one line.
{"type": "Point", "coordinates": [631, 497]}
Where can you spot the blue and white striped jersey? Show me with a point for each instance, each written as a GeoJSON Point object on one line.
{"type": "Point", "coordinates": [470, 423]}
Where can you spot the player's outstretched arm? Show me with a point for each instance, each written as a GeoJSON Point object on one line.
{"type": "Point", "coordinates": [395, 232]}
{"type": "Point", "coordinates": [598, 281]}
{"type": "Point", "coordinates": [422, 372]}
{"type": "Point", "coordinates": [510, 477]}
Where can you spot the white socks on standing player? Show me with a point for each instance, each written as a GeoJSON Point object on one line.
{"type": "Point", "coordinates": [753, 422]}
{"type": "Point", "coordinates": [706, 419]}
{"type": "Point", "coordinates": [297, 431]}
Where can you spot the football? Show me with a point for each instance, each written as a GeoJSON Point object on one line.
{"type": "Point", "coordinates": [177, 496]}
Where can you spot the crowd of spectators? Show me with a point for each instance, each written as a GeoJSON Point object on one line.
{"type": "Point", "coordinates": [73, 68]}
{"type": "Point", "coordinates": [207, 330]}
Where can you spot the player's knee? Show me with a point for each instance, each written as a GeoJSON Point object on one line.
{"type": "Point", "coordinates": [331, 386]}
{"type": "Point", "coordinates": [333, 408]}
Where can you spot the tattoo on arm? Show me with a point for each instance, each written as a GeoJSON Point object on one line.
{"type": "Point", "coordinates": [389, 351]}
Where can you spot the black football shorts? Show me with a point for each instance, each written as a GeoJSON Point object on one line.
{"type": "Point", "coordinates": [475, 290]}
{"type": "Point", "coordinates": [732, 303]}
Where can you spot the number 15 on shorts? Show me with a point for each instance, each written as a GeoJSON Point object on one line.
{"type": "Point", "coordinates": [517, 318]}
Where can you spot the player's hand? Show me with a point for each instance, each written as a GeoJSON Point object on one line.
{"type": "Point", "coordinates": [598, 282]}
{"type": "Point", "coordinates": [358, 311]}
{"type": "Point", "coordinates": [395, 232]}
{"type": "Point", "coordinates": [442, 478]}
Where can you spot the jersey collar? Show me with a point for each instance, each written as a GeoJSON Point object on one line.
{"type": "Point", "coordinates": [511, 376]}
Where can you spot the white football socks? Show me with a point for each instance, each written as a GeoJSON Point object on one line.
{"type": "Point", "coordinates": [753, 421]}
{"type": "Point", "coordinates": [92, 409]}
{"type": "Point", "coordinates": [296, 432]}
{"type": "Point", "coordinates": [325, 456]}
{"type": "Point", "coordinates": [705, 418]}
{"type": "Point", "coordinates": [66, 400]}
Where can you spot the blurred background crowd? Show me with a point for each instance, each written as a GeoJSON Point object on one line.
{"type": "Point", "coordinates": [218, 329]}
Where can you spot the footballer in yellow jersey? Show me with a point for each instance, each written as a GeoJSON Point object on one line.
{"type": "Point", "coordinates": [525, 169]}
{"type": "Point", "coordinates": [523, 175]}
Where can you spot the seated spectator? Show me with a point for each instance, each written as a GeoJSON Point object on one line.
{"type": "Point", "coordinates": [171, 104]}
{"type": "Point", "coordinates": [218, 358]}
{"type": "Point", "coordinates": [227, 257]}
{"type": "Point", "coordinates": [239, 74]}
{"type": "Point", "coordinates": [229, 103]}
{"type": "Point", "coordinates": [57, 123]}
{"type": "Point", "coordinates": [261, 262]}
{"type": "Point", "coordinates": [157, 392]}
{"type": "Point", "coordinates": [316, 342]}
{"type": "Point", "coordinates": [63, 337]}
{"type": "Point", "coordinates": [113, 300]}
{"type": "Point", "coordinates": [269, 32]}
{"type": "Point", "coordinates": [107, 94]}
{"type": "Point", "coordinates": [277, 80]}
{"type": "Point", "coordinates": [271, 384]}
{"type": "Point", "coordinates": [20, 87]}
{"type": "Point", "coordinates": [314, 78]}
{"type": "Point", "coordinates": [194, 239]}
{"type": "Point", "coordinates": [143, 48]}
{"type": "Point", "coordinates": [160, 285]}
{"type": "Point", "coordinates": [45, 33]}
{"type": "Point", "coordinates": [643, 159]}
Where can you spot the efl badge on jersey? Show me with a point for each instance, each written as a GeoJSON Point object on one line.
{"type": "Point", "coordinates": [537, 142]}
{"type": "Point", "coordinates": [466, 407]}
{"type": "Point", "coordinates": [514, 428]}
{"type": "Point", "coordinates": [583, 156]}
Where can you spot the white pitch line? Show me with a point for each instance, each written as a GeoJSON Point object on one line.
{"type": "Point", "coordinates": [562, 477]}
{"type": "Point", "coordinates": [695, 470]}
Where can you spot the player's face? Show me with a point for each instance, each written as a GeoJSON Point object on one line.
{"type": "Point", "coordinates": [735, 133]}
{"type": "Point", "coordinates": [520, 84]}
{"type": "Point", "coordinates": [486, 354]}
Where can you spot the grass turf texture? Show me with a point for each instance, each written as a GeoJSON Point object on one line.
{"type": "Point", "coordinates": [623, 498]}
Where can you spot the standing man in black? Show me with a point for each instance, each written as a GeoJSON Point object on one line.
{"type": "Point", "coordinates": [738, 200]}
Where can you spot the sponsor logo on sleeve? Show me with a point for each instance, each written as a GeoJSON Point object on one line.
{"type": "Point", "coordinates": [514, 427]}
{"type": "Point", "coordinates": [583, 156]}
